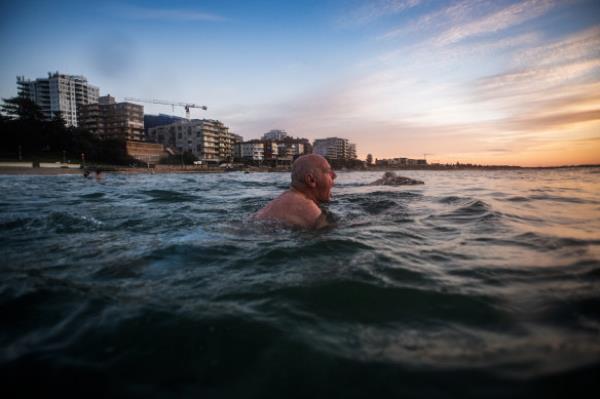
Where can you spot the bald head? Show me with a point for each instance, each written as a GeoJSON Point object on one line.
{"type": "Point", "coordinates": [305, 165]}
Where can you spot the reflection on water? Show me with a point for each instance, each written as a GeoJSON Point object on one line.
{"type": "Point", "coordinates": [476, 283]}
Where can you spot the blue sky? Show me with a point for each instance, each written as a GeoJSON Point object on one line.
{"type": "Point", "coordinates": [471, 81]}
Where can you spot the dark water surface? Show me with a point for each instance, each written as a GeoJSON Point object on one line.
{"type": "Point", "coordinates": [478, 283]}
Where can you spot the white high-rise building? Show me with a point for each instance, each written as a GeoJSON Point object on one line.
{"type": "Point", "coordinates": [59, 93]}
{"type": "Point", "coordinates": [352, 151]}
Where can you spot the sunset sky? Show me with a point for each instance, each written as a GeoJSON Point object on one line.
{"type": "Point", "coordinates": [493, 82]}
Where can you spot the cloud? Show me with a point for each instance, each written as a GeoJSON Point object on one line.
{"type": "Point", "coordinates": [457, 13]}
{"type": "Point", "coordinates": [471, 18]}
{"type": "Point", "coordinates": [422, 54]}
{"type": "Point", "coordinates": [553, 121]}
{"type": "Point", "coordinates": [148, 13]}
{"type": "Point", "coordinates": [543, 68]}
{"type": "Point", "coordinates": [500, 20]}
{"type": "Point", "coordinates": [582, 45]}
{"type": "Point", "coordinates": [376, 9]}
{"type": "Point", "coordinates": [534, 80]}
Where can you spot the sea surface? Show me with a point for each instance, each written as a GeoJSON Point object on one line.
{"type": "Point", "coordinates": [475, 284]}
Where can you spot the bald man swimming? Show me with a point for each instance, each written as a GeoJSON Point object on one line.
{"type": "Point", "coordinates": [312, 180]}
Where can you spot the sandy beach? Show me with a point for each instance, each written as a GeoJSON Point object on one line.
{"type": "Point", "coordinates": [13, 170]}
{"type": "Point", "coordinates": [6, 170]}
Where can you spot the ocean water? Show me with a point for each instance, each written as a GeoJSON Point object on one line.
{"type": "Point", "coordinates": [478, 283]}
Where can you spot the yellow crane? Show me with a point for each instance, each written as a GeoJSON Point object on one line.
{"type": "Point", "coordinates": [173, 104]}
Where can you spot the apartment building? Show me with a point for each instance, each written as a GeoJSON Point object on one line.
{"type": "Point", "coordinates": [111, 120]}
{"type": "Point", "coordinates": [274, 135]}
{"type": "Point", "coordinates": [401, 162]}
{"type": "Point", "coordinates": [290, 148]}
{"type": "Point", "coordinates": [335, 148]}
{"type": "Point", "coordinates": [209, 140]}
{"type": "Point", "coordinates": [59, 93]}
{"type": "Point", "coordinates": [253, 150]}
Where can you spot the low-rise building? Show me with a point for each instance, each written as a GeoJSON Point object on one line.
{"type": "Point", "coordinates": [271, 150]}
{"type": "Point", "coordinates": [151, 121]}
{"type": "Point", "coordinates": [290, 148]}
{"type": "Point", "coordinates": [253, 150]}
{"type": "Point", "coordinates": [209, 140]}
{"type": "Point", "coordinates": [335, 148]}
{"type": "Point", "coordinates": [401, 162]}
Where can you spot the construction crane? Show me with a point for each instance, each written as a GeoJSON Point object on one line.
{"type": "Point", "coordinates": [186, 106]}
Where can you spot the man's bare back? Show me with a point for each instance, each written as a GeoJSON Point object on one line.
{"type": "Point", "coordinates": [294, 209]}
{"type": "Point", "coordinates": [312, 179]}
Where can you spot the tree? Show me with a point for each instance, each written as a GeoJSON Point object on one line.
{"type": "Point", "coordinates": [22, 127]}
{"type": "Point", "coordinates": [22, 108]}
{"type": "Point", "coordinates": [56, 134]}
{"type": "Point", "coordinates": [369, 159]}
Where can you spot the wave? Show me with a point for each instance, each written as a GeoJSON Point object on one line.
{"type": "Point", "coordinates": [162, 287]}
{"type": "Point", "coordinates": [93, 196]}
{"type": "Point", "coordinates": [558, 198]}
{"type": "Point", "coordinates": [168, 196]}
{"type": "Point", "coordinates": [518, 198]}
{"type": "Point", "coordinates": [56, 222]}
{"type": "Point", "coordinates": [469, 211]}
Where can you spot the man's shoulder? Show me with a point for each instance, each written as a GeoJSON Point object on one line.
{"type": "Point", "coordinates": [291, 208]}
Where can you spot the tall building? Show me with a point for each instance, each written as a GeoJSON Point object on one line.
{"type": "Point", "coordinates": [111, 120]}
{"type": "Point", "coordinates": [352, 151]}
{"type": "Point", "coordinates": [209, 140]}
{"type": "Point", "coordinates": [335, 148]}
{"type": "Point", "coordinates": [274, 135]}
{"type": "Point", "coordinates": [59, 93]}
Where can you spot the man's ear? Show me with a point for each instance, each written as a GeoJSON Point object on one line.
{"type": "Point", "coordinates": [310, 180]}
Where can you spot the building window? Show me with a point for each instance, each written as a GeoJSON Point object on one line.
{"type": "Point", "coordinates": [179, 135]}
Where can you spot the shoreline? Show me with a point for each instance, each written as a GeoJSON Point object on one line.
{"type": "Point", "coordinates": [15, 170]}
{"type": "Point", "coordinates": [29, 171]}
{"type": "Point", "coordinates": [164, 169]}
{"type": "Point", "coordinates": [45, 171]}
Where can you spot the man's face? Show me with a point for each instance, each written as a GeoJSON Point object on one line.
{"type": "Point", "coordinates": [325, 177]}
